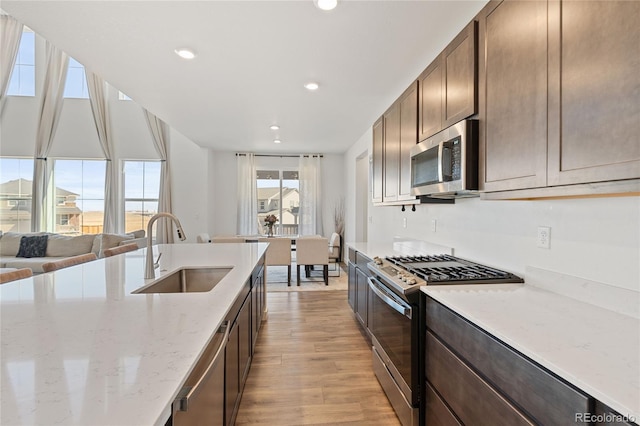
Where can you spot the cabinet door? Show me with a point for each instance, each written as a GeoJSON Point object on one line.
{"type": "Point", "coordinates": [362, 290]}
{"type": "Point", "coordinates": [460, 75]}
{"type": "Point", "coordinates": [232, 373]}
{"type": "Point", "coordinates": [408, 139]}
{"type": "Point", "coordinates": [351, 285]}
{"type": "Point", "coordinates": [594, 87]}
{"type": "Point", "coordinates": [378, 165]}
{"type": "Point", "coordinates": [430, 100]}
{"type": "Point", "coordinates": [244, 344]}
{"type": "Point", "coordinates": [513, 89]}
{"type": "Point", "coordinates": [391, 152]}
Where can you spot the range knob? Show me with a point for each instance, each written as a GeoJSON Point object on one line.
{"type": "Point", "coordinates": [377, 260]}
{"type": "Point", "coordinates": [411, 281]}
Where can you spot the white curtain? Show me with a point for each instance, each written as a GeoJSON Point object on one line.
{"type": "Point", "coordinates": [247, 195]}
{"type": "Point", "coordinates": [160, 136]}
{"type": "Point", "coordinates": [100, 109]}
{"type": "Point", "coordinates": [10, 35]}
{"type": "Point", "coordinates": [50, 109]}
{"type": "Point", "coordinates": [310, 208]}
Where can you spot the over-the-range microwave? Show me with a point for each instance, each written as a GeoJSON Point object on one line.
{"type": "Point", "coordinates": [446, 164]}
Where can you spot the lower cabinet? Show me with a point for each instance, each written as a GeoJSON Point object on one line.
{"type": "Point", "coordinates": [358, 286]}
{"type": "Point", "coordinates": [473, 378]}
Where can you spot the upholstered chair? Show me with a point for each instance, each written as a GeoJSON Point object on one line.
{"type": "Point", "coordinates": [120, 249]}
{"type": "Point", "coordinates": [69, 261]}
{"type": "Point", "coordinates": [310, 252]}
{"type": "Point", "coordinates": [335, 250]}
{"type": "Point", "coordinates": [278, 254]}
{"type": "Point", "coordinates": [15, 274]}
{"type": "Point", "coordinates": [203, 238]}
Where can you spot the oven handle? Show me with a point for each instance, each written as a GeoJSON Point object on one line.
{"type": "Point", "coordinates": [388, 300]}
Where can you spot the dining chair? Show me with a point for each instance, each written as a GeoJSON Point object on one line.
{"type": "Point", "coordinates": [69, 261]}
{"type": "Point", "coordinates": [278, 254]}
{"type": "Point", "coordinates": [335, 250]}
{"type": "Point", "coordinates": [310, 252]}
{"type": "Point", "coordinates": [203, 238]}
{"type": "Point", "coordinates": [15, 274]}
{"type": "Point", "coordinates": [120, 249]}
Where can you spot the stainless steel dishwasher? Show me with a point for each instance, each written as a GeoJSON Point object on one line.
{"type": "Point", "coordinates": [201, 400]}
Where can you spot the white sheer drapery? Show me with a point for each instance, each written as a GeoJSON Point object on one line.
{"type": "Point", "coordinates": [10, 35]}
{"type": "Point", "coordinates": [310, 183]}
{"type": "Point", "coordinates": [247, 195]}
{"type": "Point", "coordinates": [100, 110]}
{"type": "Point", "coordinates": [50, 109]}
{"type": "Point", "coordinates": [160, 136]}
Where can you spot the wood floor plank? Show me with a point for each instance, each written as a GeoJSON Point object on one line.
{"type": "Point", "coordinates": [312, 366]}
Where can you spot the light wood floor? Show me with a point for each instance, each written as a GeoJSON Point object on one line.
{"type": "Point", "coordinates": [312, 366]}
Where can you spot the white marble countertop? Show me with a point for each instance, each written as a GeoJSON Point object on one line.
{"type": "Point", "coordinates": [77, 348]}
{"type": "Point", "coordinates": [595, 349]}
{"type": "Point", "coordinates": [398, 247]}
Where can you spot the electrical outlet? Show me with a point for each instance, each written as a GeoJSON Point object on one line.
{"type": "Point", "coordinates": [433, 225]}
{"type": "Point", "coordinates": [544, 237]}
{"type": "Point", "coordinates": [404, 222]}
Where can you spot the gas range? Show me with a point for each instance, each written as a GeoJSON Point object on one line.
{"type": "Point", "coordinates": [407, 273]}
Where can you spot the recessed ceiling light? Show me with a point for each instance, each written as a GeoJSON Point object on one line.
{"type": "Point", "coordinates": [274, 127]}
{"type": "Point", "coordinates": [277, 141]}
{"type": "Point", "coordinates": [311, 86]}
{"type": "Point", "coordinates": [325, 4]}
{"type": "Point", "coordinates": [185, 53]}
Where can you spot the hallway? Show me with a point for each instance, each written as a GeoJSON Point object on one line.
{"type": "Point", "coordinates": [312, 366]}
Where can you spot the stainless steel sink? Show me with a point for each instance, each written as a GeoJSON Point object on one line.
{"type": "Point", "coordinates": [187, 280]}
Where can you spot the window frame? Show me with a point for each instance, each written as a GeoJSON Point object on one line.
{"type": "Point", "coordinates": [16, 67]}
{"type": "Point", "coordinates": [123, 198]}
{"type": "Point", "coordinates": [279, 203]}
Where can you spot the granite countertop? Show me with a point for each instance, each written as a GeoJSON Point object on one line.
{"type": "Point", "coordinates": [79, 348]}
{"type": "Point", "coordinates": [595, 349]}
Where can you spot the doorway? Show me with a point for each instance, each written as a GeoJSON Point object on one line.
{"type": "Point", "coordinates": [362, 196]}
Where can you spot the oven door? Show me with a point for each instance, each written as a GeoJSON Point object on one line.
{"type": "Point", "coordinates": [390, 323]}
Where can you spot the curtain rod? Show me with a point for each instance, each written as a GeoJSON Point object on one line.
{"type": "Point", "coordinates": [281, 155]}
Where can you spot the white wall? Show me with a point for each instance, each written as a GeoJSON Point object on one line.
{"type": "Point", "coordinates": [592, 238]}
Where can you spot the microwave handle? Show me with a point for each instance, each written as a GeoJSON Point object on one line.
{"type": "Point", "coordinates": [440, 153]}
{"type": "Point", "coordinates": [388, 300]}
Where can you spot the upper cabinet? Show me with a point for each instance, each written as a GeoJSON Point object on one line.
{"type": "Point", "coordinates": [559, 97]}
{"type": "Point", "coordinates": [594, 91]}
{"type": "Point", "coordinates": [448, 85]}
{"type": "Point", "coordinates": [394, 134]}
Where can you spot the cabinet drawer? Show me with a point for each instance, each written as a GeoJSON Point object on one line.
{"type": "Point", "coordinates": [470, 397]}
{"type": "Point", "coordinates": [543, 396]}
{"type": "Point", "coordinates": [437, 412]}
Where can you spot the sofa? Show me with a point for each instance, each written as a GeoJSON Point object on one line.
{"type": "Point", "coordinates": [57, 246]}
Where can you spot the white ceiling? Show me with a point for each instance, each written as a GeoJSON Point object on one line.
{"type": "Point", "coordinates": [253, 58]}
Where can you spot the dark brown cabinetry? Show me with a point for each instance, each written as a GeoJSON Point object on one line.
{"type": "Point", "coordinates": [560, 97]}
{"type": "Point", "coordinates": [448, 85]}
{"type": "Point", "coordinates": [480, 377]}
{"type": "Point", "coordinates": [397, 137]}
{"type": "Point", "coordinates": [359, 286]}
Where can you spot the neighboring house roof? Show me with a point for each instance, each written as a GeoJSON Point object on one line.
{"type": "Point", "coordinates": [67, 210]}
{"type": "Point", "coordinates": [267, 193]}
{"type": "Point", "coordinates": [24, 186]}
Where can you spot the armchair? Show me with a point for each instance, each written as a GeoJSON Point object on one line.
{"type": "Point", "coordinates": [312, 251]}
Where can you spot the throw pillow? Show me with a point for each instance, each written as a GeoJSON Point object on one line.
{"type": "Point", "coordinates": [67, 246]}
{"type": "Point", "coordinates": [35, 246]}
{"type": "Point", "coordinates": [112, 240]}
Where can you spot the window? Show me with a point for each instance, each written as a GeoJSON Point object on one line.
{"type": "Point", "coordinates": [79, 197]}
{"type": "Point", "coordinates": [76, 84]}
{"type": "Point", "coordinates": [23, 77]}
{"type": "Point", "coordinates": [16, 177]}
{"type": "Point", "coordinates": [277, 189]}
{"type": "Point", "coordinates": [141, 185]}
{"type": "Point", "coordinates": [123, 97]}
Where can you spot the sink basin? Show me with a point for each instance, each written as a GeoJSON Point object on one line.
{"type": "Point", "coordinates": [187, 280]}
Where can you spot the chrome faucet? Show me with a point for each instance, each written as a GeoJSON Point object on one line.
{"type": "Point", "coordinates": [150, 267]}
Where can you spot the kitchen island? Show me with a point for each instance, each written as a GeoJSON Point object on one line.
{"type": "Point", "coordinates": [79, 348]}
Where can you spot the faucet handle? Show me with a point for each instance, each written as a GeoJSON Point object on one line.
{"type": "Point", "coordinates": [156, 264]}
